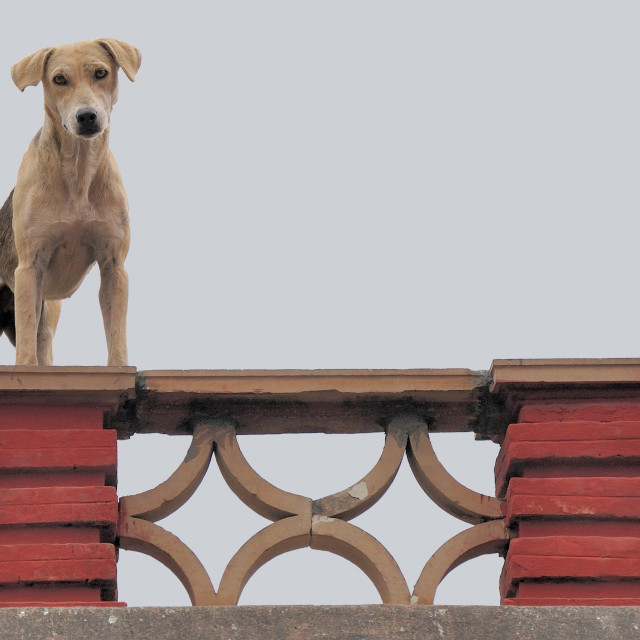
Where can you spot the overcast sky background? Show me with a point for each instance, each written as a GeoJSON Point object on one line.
{"type": "Point", "coordinates": [353, 184]}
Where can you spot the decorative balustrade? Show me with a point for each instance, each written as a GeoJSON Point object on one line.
{"type": "Point", "coordinates": [567, 515]}
{"type": "Point", "coordinates": [216, 406]}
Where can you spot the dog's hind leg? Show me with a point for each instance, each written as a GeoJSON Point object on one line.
{"type": "Point", "coordinates": [7, 314]}
{"type": "Point", "coordinates": [47, 329]}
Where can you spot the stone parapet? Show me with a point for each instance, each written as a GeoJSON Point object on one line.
{"type": "Point", "coordinates": [566, 514]}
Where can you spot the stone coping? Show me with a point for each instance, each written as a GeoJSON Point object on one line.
{"type": "Point", "coordinates": [318, 384]}
{"type": "Point", "coordinates": [107, 387]}
{"type": "Point", "coordinates": [356, 401]}
{"type": "Point", "coordinates": [572, 373]}
{"type": "Point", "coordinates": [340, 401]}
{"type": "Point", "coordinates": [320, 400]}
{"type": "Point", "coordinates": [370, 622]}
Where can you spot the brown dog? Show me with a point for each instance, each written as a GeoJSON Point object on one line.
{"type": "Point", "coordinates": [68, 209]}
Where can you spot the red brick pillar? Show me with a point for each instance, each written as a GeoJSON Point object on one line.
{"type": "Point", "coordinates": [58, 506]}
{"type": "Point", "coordinates": [570, 475]}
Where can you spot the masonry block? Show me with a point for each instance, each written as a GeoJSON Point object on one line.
{"type": "Point", "coordinates": [58, 506]}
{"type": "Point", "coordinates": [573, 449]}
{"type": "Point", "coordinates": [570, 477]}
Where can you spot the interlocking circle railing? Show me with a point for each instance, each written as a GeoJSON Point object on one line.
{"type": "Point", "coordinates": [300, 522]}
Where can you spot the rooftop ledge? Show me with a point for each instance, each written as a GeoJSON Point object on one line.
{"type": "Point", "coordinates": [348, 401]}
{"type": "Point", "coordinates": [326, 622]}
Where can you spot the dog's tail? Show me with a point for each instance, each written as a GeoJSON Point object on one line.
{"type": "Point", "coordinates": [7, 314]}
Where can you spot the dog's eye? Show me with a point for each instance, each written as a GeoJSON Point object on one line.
{"type": "Point", "coordinates": [60, 80]}
{"type": "Point", "coordinates": [101, 73]}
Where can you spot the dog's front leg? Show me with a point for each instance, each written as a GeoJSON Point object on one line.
{"type": "Point", "coordinates": [28, 307]}
{"type": "Point", "coordinates": [114, 295]}
{"type": "Point", "coordinates": [46, 330]}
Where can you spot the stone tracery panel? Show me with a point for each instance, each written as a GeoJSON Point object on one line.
{"type": "Point", "coordinates": [299, 521]}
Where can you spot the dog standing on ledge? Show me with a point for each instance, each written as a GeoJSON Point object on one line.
{"type": "Point", "coordinates": [68, 209]}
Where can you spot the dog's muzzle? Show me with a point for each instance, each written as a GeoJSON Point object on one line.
{"type": "Point", "coordinates": [87, 119]}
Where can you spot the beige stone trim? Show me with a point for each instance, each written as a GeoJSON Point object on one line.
{"type": "Point", "coordinates": [488, 537]}
{"type": "Point", "coordinates": [278, 538]}
{"type": "Point", "coordinates": [449, 494]}
{"type": "Point", "coordinates": [170, 495]}
{"type": "Point", "coordinates": [100, 386]}
{"type": "Point", "coordinates": [256, 492]}
{"type": "Point", "coordinates": [364, 494]}
{"type": "Point", "coordinates": [574, 372]}
{"type": "Point", "coordinates": [151, 539]}
{"type": "Point", "coordinates": [329, 382]}
{"type": "Point", "coordinates": [361, 548]}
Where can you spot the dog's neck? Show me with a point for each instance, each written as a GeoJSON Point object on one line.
{"type": "Point", "coordinates": [80, 160]}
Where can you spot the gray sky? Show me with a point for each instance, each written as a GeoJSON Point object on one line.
{"type": "Point", "coordinates": [354, 184]}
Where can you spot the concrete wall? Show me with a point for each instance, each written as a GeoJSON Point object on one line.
{"type": "Point", "coordinates": [388, 622]}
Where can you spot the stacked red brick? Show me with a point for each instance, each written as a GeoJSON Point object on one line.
{"type": "Point", "coordinates": [570, 474]}
{"type": "Point", "coordinates": [58, 506]}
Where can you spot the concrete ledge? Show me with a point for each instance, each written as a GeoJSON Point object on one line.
{"type": "Point", "coordinates": [106, 387]}
{"type": "Point", "coordinates": [293, 401]}
{"type": "Point", "coordinates": [329, 623]}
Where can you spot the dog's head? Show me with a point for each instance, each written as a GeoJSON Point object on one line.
{"type": "Point", "coordinates": [80, 81]}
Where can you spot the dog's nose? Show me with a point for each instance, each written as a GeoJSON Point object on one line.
{"type": "Point", "coordinates": [86, 116]}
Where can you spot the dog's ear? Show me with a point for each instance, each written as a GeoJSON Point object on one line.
{"type": "Point", "coordinates": [30, 70]}
{"type": "Point", "coordinates": [127, 57]}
